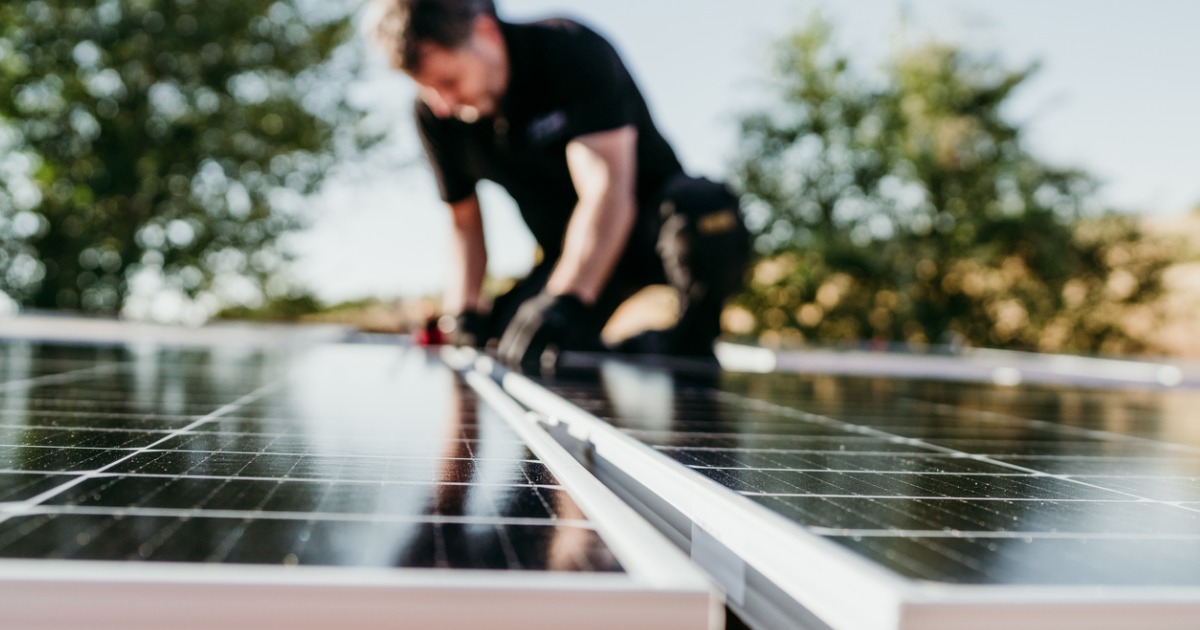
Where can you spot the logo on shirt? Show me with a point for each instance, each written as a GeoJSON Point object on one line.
{"type": "Point", "coordinates": [547, 128]}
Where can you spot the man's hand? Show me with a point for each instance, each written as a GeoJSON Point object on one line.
{"type": "Point", "coordinates": [542, 323]}
{"type": "Point", "coordinates": [468, 328]}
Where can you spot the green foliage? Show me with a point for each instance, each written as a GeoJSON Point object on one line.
{"type": "Point", "coordinates": [909, 209]}
{"type": "Point", "coordinates": [284, 308]}
{"type": "Point", "coordinates": [158, 139]}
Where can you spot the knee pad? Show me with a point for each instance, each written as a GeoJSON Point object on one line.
{"type": "Point", "coordinates": [703, 243]}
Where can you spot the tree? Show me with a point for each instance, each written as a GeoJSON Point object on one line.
{"type": "Point", "coordinates": [910, 209]}
{"type": "Point", "coordinates": [168, 139]}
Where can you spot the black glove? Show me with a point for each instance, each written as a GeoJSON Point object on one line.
{"type": "Point", "coordinates": [468, 328]}
{"type": "Point", "coordinates": [543, 322]}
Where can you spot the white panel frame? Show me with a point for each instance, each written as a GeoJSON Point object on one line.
{"type": "Point", "coordinates": [120, 595]}
{"type": "Point", "coordinates": [1000, 367]}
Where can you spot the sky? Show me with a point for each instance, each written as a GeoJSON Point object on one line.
{"type": "Point", "coordinates": [1116, 96]}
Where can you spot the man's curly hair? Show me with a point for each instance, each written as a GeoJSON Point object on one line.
{"type": "Point", "coordinates": [399, 27]}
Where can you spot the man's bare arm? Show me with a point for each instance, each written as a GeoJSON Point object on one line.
{"type": "Point", "coordinates": [468, 258]}
{"type": "Point", "coordinates": [603, 168]}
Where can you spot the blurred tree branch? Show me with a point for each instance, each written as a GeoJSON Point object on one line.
{"type": "Point", "coordinates": [167, 141]}
{"type": "Point", "coordinates": [909, 209]}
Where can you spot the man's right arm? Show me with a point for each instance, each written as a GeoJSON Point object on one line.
{"type": "Point", "coordinates": [468, 258]}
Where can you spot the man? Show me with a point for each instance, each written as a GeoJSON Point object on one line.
{"type": "Point", "coordinates": [548, 111]}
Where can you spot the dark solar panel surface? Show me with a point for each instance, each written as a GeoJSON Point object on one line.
{"type": "Point", "coordinates": [331, 455]}
{"type": "Point", "coordinates": [939, 481]}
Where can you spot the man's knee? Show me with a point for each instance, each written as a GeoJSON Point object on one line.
{"type": "Point", "coordinates": [704, 243]}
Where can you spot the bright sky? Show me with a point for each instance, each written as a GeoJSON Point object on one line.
{"type": "Point", "coordinates": [1117, 96]}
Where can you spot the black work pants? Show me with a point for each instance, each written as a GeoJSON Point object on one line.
{"type": "Point", "coordinates": [692, 237]}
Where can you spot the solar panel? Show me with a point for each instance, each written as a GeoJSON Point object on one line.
{"type": "Point", "coordinates": [304, 486]}
{"type": "Point", "coordinates": [943, 504]}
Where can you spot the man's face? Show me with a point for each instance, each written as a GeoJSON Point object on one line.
{"type": "Point", "coordinates": [466, 82]}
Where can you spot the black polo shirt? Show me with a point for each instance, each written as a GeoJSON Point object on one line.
{"type": "Point", "coordinates": [565, 81]}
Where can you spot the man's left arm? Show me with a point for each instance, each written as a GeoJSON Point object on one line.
{"type": "Point", "coordinates": [603, 168]}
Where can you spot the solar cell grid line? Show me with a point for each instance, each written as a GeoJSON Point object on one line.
{"type": "Point", "coordinates": [948, 447]}
{"type": "Point", "coordinates": [35, 500]}
{"type": "Point", "coordinates": [989, 535]}
{"type": "Point", "coordinates": [60, 377]}
{"type": "Point", "coordinates": [1083, 431]}
{"type": "Point", "coordinates": [351, 485]}
{"type": "Point", "coordinates": [1096, 435]}
{"type": "Point", "coordinates": [951, 450]}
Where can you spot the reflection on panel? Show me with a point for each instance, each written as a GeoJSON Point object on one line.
{"type": "Point", "coordinates": [941, 481]}
{"type": "Point", "coordinates": [313, 541]}
{"type": "Point", "coordinates": [344, 456]}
